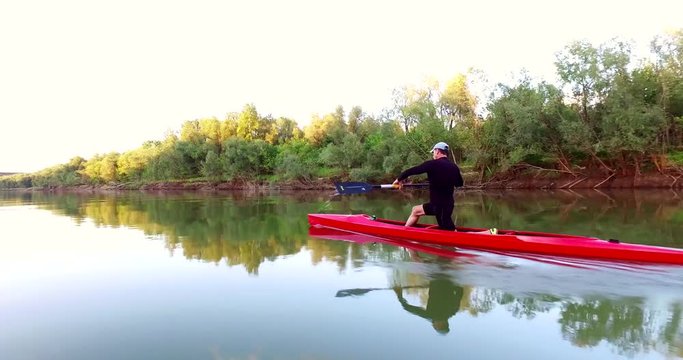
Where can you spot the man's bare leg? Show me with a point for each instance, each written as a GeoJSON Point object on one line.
{"type": "Point", "coordinates": [415, 214]}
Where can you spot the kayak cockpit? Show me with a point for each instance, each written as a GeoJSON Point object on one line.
{"type": "Point", "coordinates": [480, 231]}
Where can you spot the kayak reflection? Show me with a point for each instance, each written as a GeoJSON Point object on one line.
{"type": "Point", "coordinates": [333, 234]}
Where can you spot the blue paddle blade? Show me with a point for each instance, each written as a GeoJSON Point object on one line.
{"type": "Point", "coordinates": [347, 188]}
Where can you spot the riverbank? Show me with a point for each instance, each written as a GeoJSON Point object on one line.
{"type": "Point", "coordinates": [597, 181]}
{"type": "Point", "coordinates": [527, 180]}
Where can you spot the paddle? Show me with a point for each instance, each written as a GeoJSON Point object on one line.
{"type": "Point", "coordinates": [358, 292]}
{"type": "Point", "coordinates": [354, 187]}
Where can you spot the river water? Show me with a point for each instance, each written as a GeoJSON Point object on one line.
{"type": "Point", "coordinates": [238, 276]}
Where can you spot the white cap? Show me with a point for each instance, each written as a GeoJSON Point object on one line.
{"type": "Point", "coordinates": [440, 145]}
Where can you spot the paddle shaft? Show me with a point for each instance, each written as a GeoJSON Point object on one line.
{"type": "Point", "coordinates": [347, 188]}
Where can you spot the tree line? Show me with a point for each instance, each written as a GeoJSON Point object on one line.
{"type": "Point", "coordinates": [610, 113]}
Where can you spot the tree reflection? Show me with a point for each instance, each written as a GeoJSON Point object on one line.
{"type": "Point", "coordinates": [248, 229]}
{"type": "Point", "coordinates": [623, 323]}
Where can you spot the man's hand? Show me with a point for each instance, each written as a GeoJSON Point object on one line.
{"type": "Point", "coordinates": [398, 184]}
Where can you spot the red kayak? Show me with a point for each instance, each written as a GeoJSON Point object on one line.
{"type": "Point", "coordinates": [502, 240]}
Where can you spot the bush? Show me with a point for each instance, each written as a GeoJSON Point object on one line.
{"type": "Point", "coordinates": [366, 174]}
{"type": "Point", "coordinates": [212, 167]}
{"type": "Point", "coordinates": [675, 157]}
{"type": "Point", "coordinates": [247, 159]}
{"type": "Point", "coordinates": [292, 167]}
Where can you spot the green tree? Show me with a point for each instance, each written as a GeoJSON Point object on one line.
{"type": "Point", "coordinates": [250, 125]}
{"type": "Point", "coordinates": [132, 164]}
{"type": "Point", "coordinates": [590, 73]}
{"type": "Point", "coordinates": [229, 126]}
{"type": "Point", "coordinates": [102, 168]}
{"type": "Point", "coordinates": [668, 50]}
{"type": "Point", "coordinates": [412, 105]}
{"type": "Point", "coordinates": [631, 126]}
{"type": "Point", "coordinates": [525, 126]}
{"type": "Point", "coordinates": [370, 126]}
{"type": "Point", "coordinates": [171, 162]}
{"type": "Point", "coordinates": [243, 159]}
{"type": "Point", "coordinates": [212, 167]}
{"type": "Point", "coordinates": [386, 147]}
{"type": "Point", "coordinates": [202, 131]}
{"type": "Point", "coordinates": [330, 128]}
{"type": "Point", "coordinates": [297, 160]}
{"type": "Point", "coordinates": [282, 131]}
{"type": "Point", "coordinates": [338, 114]}
{"type": "Point", "coordinates": [346, 155]}
{"type": "Point", "coordinates": [315, 131]}
{"type": "Point", "coordinates": [355, 119]}
{"type": "Point", "coordinates": [457, 104]}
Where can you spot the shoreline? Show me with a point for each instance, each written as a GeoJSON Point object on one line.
{"type": "Point", "coordinates": [525, 182]}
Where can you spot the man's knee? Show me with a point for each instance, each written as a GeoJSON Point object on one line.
{"type": "Point", "coordinates": [418, 210]}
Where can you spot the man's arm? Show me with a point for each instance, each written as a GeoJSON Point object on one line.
{"type": "Point", "coordinates": [459, 182]}
{"type": "Point", "coordinates": [420, 169]}
{"type": "Point", "coordinates": [416, 310]}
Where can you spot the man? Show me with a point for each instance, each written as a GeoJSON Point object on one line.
{"type": "Point", "coordinates": [444, 176]}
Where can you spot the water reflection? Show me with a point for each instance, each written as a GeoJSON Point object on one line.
{"type": "Point", "coordinates": [440, 288]}
{"type": "Point", "coordinates": [635, 310]}
{"type": "Point", "coordinates": [441, 297]}
{"type": "Point", "coordinates": [250, 228]}
{"type": "Point", "coordinates": [443, 301]}
{"type": "Point", "coordinates": [606, 302]}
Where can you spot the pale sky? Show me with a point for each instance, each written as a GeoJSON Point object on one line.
{"type": "Point", "coordinates": [84, 77]}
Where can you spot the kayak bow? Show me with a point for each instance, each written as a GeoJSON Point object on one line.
{"type": "Point", "coordinates": [502, 240]}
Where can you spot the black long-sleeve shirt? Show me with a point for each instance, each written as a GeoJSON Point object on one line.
{"type": "Point", "coordinates": [443, 175]}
